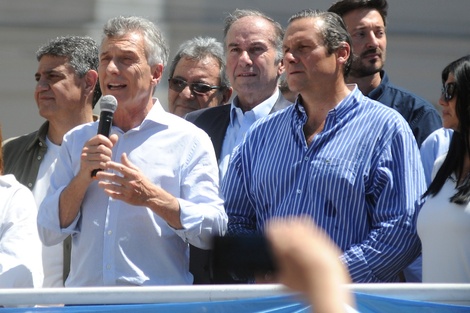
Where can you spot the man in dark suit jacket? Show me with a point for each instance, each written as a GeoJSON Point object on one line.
{"type": "Point", "coordinates": [253, 47]}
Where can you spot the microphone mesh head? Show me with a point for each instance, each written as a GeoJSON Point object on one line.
{"type": "Point", "coordinates": [108, 103]}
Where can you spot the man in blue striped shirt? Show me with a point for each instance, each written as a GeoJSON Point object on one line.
{"type": "Point", "coordinates": [347, 161]}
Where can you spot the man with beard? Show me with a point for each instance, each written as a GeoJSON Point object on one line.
{"type": "Point", "coordinates": [366, 22]}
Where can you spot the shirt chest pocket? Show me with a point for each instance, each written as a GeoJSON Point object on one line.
{"type": "Point", "coordinates": [334, 176]}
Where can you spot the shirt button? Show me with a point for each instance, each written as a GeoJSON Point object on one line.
{"type": "Point", "coordinates": [110, 232]}
{"type": "Point", "coordinates": [306, 159]}
{"type": "Point", "coordinates": [30, 185]}
{"type": "Point", "coordinates": [39, 157]}
{"type": "Point", "coordinates": [299, 191]}
{"type": "Point", "coordinates": [108, 267]}
{"type": "Point", "coordinates": [40, 144]}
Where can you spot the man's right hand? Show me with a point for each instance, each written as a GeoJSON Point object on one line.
{"type": "Point", "coordinates": [95, 153]}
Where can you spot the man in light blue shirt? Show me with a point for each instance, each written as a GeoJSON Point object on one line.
{"type": "Point", "coordinates": [348, 162]}
{"type": "Point", "coordinates": [253, 48]}
{"type": "Point", "coordinates": [157, 190]}
{"type": "Point", "coordinates": [239, 124]}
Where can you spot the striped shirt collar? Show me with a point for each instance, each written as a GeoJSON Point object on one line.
{"type": "Point", "coordinates": [337, 113]}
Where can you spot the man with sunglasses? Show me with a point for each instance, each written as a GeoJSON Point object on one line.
{"type": "Point", "coordinates": [199, 65]}
{"type": "Point", "coordinates": [198, 80]}
{"type": "Point", "coordinates": [366, 22]}
{"type": "Point", "coordinates": [253, 48]}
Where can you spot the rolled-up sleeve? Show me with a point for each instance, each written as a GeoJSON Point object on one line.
{"type": "Point", "coordinates": [48, 221]}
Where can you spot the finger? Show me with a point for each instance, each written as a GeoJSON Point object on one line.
{"type": "Point", "coordinates": [100, 140]}
{"type": "Point", "coordinates": [112, 190]}
{"type": "Point", "coordinates": [113, 138]}
{"type": "Point", "coordinates": [94, 157]}
{"type": "Point", "coordinates": [125, 160]}
{"type": "Point", "coordinates": [111, 178]}
{"type": "Point", "coordinates": [111, 186]}
{"type": "Point", "coordinates": [118, 167]}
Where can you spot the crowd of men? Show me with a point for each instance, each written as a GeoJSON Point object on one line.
{"type": "Point", "coordinates": [233, 153]}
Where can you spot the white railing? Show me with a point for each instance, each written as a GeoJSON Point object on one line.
{"type": "Point", "coordinates": [441, 293]}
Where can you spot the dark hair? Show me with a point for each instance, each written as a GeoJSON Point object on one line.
{"type": "Point", "coordinates": [345, 6]}
{"type": "Point", "coordinates": [460, 144]}
{"type": "Point", "coordinates": [198, 49]}
{"type": "Point", "coordinates": [81, 54]}
{"type": "Point", "coordinates": [333, 31]}
{"type": "Point", "coordinates": [279, 31]}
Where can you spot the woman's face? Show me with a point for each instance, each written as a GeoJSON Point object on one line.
{"type": "Point", "coordinates": [448, 101]}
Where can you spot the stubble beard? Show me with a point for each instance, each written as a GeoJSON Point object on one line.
{"type": "Point", "coordinates": [361, 68]}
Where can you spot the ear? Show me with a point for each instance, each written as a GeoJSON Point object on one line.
{"type": "Point", "coordinates": [91, 79]}
{"type": "Point", "coordinates": [281, 68]}
{"type": "Point", "coordinates": [157, 73]}
{"type": "Point", "coordinates": [344, 53]}
{"type": "Point", "coordinates": [226, 95]}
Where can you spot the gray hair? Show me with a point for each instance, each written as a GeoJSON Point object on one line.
{"type": "Point", "coordinates": [156, 48]}
{"type": "Point", "coordinates": [333, 31]}
{"type": "Point", "coordinates": [81, 53]}
{"type": "Point", "coordinates": [198, 49]}
{"type": "Point", "coordinates": [278, 36]}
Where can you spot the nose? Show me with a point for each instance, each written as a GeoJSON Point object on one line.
{"type": "Point", "coordinates": [42, 85]}
{"type": "Point", "coordinates": [442, 101]}
{"type": "Point", "coordinates": [245, 59]}
{"type": "Point", "coordinates": [289, 57]}
{"type": "Point", "coordinates": [112, 67]}
{"type": "Point", "coordinates": [372, 41]}
{"type": "Point", "coordinates": [186, 93]}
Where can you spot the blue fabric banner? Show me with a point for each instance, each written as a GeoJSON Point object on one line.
{"type": "Point", "coordinates": [278, 304]}
{"type": "Point", "coordinates": [373, 304]}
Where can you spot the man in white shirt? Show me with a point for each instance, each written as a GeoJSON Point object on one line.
{"type": "Point", "coordinates": [157, 190]}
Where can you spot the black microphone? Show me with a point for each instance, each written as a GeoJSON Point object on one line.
{"type": "Point", "coordinates": [108, 105]}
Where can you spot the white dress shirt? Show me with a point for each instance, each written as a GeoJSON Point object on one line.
{"type": "Point", "coordinates": [115, 243]}
{"type": "Point", "coordinates": [20, 248]}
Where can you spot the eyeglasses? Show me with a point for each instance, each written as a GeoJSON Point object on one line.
{"type": "Point", "coordinates": [448, 91]}
{"type": "Point", "coordinates": [178, 85]}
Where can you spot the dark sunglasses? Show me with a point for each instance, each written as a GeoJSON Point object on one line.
{"type": "Point", "coordinates": [448, 91]}
{"type": "Point", "coordinates": [178, 85]}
